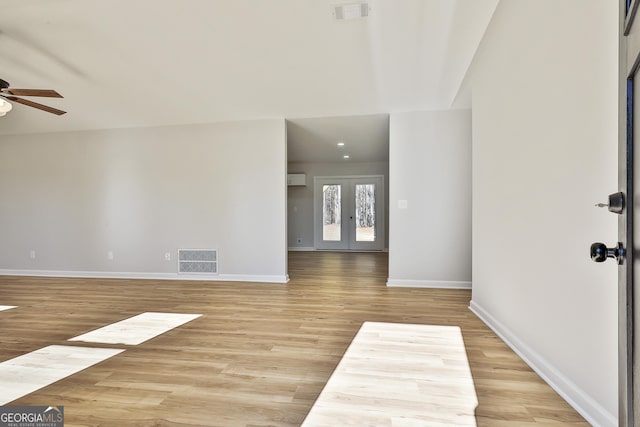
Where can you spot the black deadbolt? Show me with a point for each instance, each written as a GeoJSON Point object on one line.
{"type": "Point", "coordinates": [616, 203]}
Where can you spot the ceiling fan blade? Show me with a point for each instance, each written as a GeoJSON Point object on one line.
{"type": "Point", "coordinates": [32, 92]}
{"type": "Point", "coordinates": [35, 105]}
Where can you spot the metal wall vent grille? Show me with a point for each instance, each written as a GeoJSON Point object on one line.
{"type": "Point", "coordinates": [198, 261]}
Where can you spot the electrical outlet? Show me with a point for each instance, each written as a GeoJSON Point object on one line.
{"type": "Point", "coordinates": [32, 254]}
{"type": "Point", "coordinates": [299, 240]}
{"type": "Point", "coordinates": [110, 255]}
{"type": "Point", "coordinates": [167, 256]}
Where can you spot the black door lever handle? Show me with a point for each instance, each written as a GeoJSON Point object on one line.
{"type": "Point", "coordinates": [600, 252]}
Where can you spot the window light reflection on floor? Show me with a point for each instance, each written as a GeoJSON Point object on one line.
{"type": "Point", "coordinates": [401, 375]}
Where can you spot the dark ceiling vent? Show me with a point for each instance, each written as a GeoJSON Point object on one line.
{"type": "Point", "coordinates": [349, 11]}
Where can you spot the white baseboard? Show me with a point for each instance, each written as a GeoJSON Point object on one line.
{"type": "Point", "coordinates": [301, 248]}
{"type": "Point", "coordinates": [152, 276]}
{"type": "Point", "coordinates": [586, 406]}
{"type": "Point", "coordinates": [443, 284]}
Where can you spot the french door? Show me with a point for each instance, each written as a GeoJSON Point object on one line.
{"type": "Point", "coordinates": [349, 213]}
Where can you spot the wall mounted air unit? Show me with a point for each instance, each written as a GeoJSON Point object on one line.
{"type": "Point", "coordinates": [296, 180]}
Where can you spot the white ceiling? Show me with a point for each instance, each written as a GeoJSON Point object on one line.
{"type": "Point", "coordinates": [365, 138]}
{"type": "Point", "coordinates": [123, 63]}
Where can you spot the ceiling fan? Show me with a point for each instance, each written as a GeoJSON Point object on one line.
{"type": "Point", "coordinates": [12, 95]}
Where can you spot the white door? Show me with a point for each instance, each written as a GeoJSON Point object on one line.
{"type": "Point", "coordinates": [349, 213]}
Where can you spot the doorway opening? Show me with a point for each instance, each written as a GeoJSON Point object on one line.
{"type": "Point", "coordinates": [344, 146]}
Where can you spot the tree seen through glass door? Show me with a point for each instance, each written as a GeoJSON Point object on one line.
{"type": "Point", "coordinates": [365, 212]}
{"type": "Point", "coordinates": [331, 212]}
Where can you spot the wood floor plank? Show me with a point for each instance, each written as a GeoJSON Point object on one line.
{"type": "Point", "coordinates": [260, 354]}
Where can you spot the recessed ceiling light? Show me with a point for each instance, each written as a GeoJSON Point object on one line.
{"type": "Point", "coordinates": [346, 156]}
{"type": "Point", "coordinates": [340, 144]}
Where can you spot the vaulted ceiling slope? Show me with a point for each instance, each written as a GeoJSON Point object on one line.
{"type": "Point", "coordinates": [123, 63]}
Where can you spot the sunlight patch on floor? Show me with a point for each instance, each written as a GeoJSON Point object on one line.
{"type": "Point", "coordinates": [30, 372]}
{"type": "Point", "coordinates": [399, 375]}
{"type": "Point", "coordinates": [137, 329]}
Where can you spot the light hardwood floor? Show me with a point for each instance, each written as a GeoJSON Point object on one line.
{"type": "Point", "coordinates": [260, 354]}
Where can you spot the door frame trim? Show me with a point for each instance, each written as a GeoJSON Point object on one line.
{"type": "Point", "coordinates": [630, 15]}
{"type": "Point", "coordinates": [628, 68]}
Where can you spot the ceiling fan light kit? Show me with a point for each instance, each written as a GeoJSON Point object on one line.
{"type": "Point", "coordinates": [8, 93]}
{"type": "Point", "coordinates": [5, 107]}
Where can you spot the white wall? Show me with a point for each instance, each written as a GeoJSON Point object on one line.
{"type": "Point", "coordinates": [300, 199]}
{"type": "Point", "coordinates": [139, 193]}
{"type": "Point", "coordinates": [430, 168]}
{"type": "Point", "coordinates": [544, 85]}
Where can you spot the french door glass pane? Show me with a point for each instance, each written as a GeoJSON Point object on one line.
{"type": "Point", "coordinates": [331, 212]}
{"type": "Point", "coordinates": [365, 212]}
